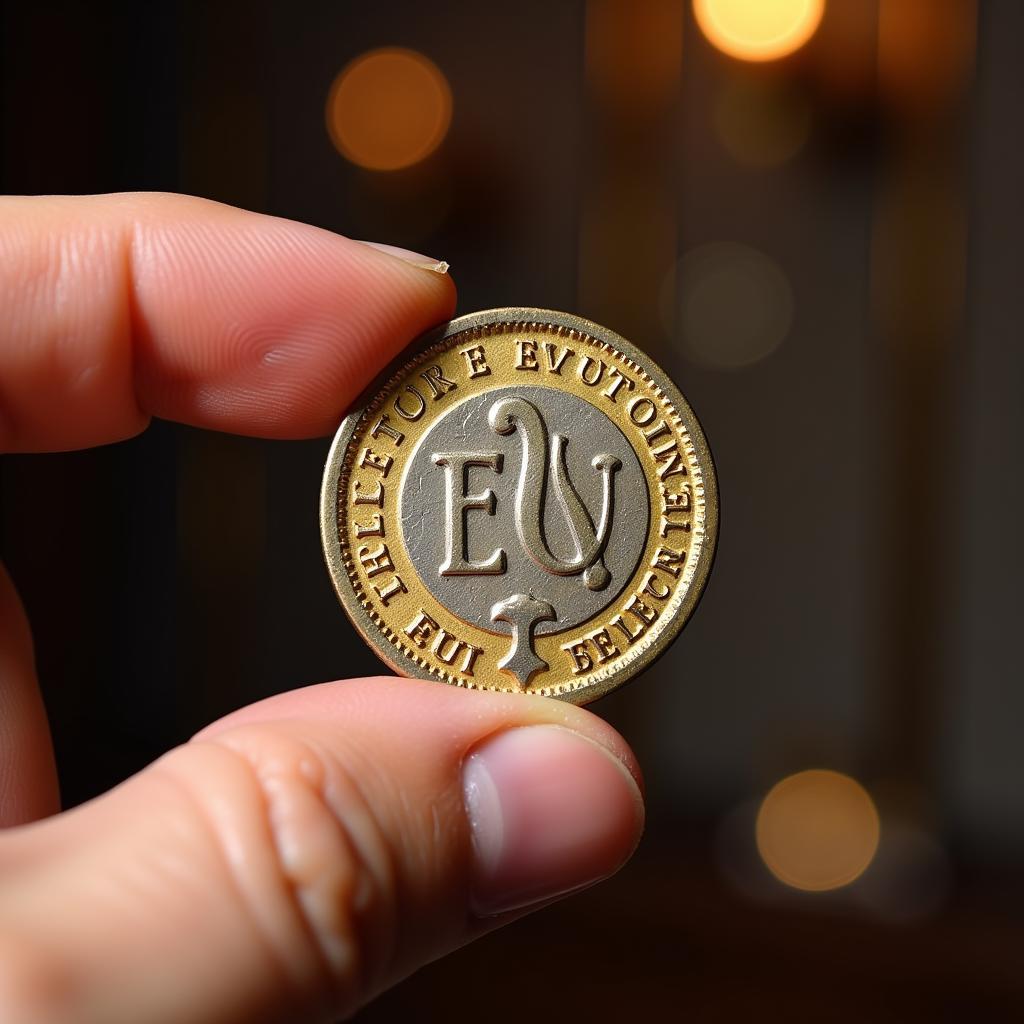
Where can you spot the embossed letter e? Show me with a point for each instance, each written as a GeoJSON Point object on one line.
{"type": "Point", "coordinates": [456, 505]}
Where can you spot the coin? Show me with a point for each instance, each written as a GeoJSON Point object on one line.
{"type": "Point", "coordinates": [523, 502]}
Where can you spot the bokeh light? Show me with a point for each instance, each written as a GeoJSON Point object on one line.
{"type": "Point", "coordinates": [817, 830]}
{"type": "Point", "coordinates": [761, 124]}
{"type": "Point", "coordinates": [758, 30]}
{"type": "Point", "coordinates": [730, 304]}
{"type": "Point", "coordinates": [389, 109]}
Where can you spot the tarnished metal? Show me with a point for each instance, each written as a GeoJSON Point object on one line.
{"type": "Point", "coordinates": [514, 510]}
{"type": "Point", "coordinates": [524, 502]}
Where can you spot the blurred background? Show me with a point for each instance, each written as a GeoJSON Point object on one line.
{"type": "Point", "coordinates": [809, 211]}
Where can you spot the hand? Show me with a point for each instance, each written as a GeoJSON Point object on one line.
{"type": "Point", "coordinates": [303, 853]}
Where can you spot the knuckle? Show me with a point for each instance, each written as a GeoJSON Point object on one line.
{"type": "Point", "coordinates": [326, 883]}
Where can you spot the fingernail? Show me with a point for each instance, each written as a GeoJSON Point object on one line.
{"type": "Point", "coordinates": [417, 260]}
{"type": "Point", "coordinates": [550, 812]}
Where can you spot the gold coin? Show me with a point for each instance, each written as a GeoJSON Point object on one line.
{"type": "Point", "coordinates": [524, 502]}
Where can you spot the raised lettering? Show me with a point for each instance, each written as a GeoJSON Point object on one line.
{"type": "Point", "coordinates": [667, 526]}
{"type": "Point", "coordinates": [383, 426]}
{"type": "Point", "coordinates": [509, 414]}
{"type": "Point", "coordinates": [676, 501]}
{"type": "Point", "coordinates": [671, 463]}
{"type": "Point", "coordinates": [476, 361]}
{"type": "Point", "coordinates": [648, 587]}
{"type": "Point", "coordinates": [472, 653]}
{"type": "Point", "coordinates": [616, 380]}
{"type": "Point", "coordinates": [602, 640]}
{"type": "Point", "coordinates": [630, 636]}
{"type": "Point", "coordinates": [582, 662]}
{"type": "Point", "coordinates": [373, 460]}
{"type": "Point", "coordinates": [358, 498]}
{"type": "Point", "coordinates": [393, 587]}
{"type": "Point", "coordinates": [555, 363]}
{"type": "Point", "coordinates": [375, 562]}
{"type": "Point", "coordinates": [526, 354]}
{"type": "Point", "coordinates": [374, 529]}
{"type": "Point", "coordinates": [420, 630]}
{"type": "Point", "coordinates": [668, 561]}
{"type": "Point", "coordinates": [641, 610]}
{"type": "Point", "coordinates": [641, 410]}
{"type": "Point", "coordinates": [417, 411]}
{"type": "Point", "coordinates": [447, 655]}
{"type": "Point", "coordinates": [652, 435]}
{"type": "Point", "coordinates": [457, 503]}
{"type": "Point", "coordinates": [590, 376]}
{"type": "Point", "coordinates": [438, 382]}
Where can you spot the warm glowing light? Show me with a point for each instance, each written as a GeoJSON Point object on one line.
{"type": "Point", "coordinates": [758, 29]}
{"type": "Point", "coordinates": [817, 830]}
{"type": "Point", "coordinates": [389, 109]}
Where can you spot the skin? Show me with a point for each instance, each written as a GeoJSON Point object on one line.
{"type": "Point", "coordinates": [302, 854]}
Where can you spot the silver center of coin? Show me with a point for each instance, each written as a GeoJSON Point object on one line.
{"type": "Point", "coordinates": [524, 511]}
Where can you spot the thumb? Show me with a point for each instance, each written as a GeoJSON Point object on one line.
{"type": "Point", "coordinates": [302, 854]}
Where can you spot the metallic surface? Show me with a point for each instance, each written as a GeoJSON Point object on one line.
{"type": "Point", "coordinates": [523, 502]}
{"type": "Point", "coordinates": [550, 565]}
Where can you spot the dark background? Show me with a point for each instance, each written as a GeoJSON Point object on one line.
{"type": "Point", "coordinates": [863, 612]}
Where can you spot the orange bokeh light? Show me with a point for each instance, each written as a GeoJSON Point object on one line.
{"type": "Point", "coordinates": [817, 830]}
{"type": "Point", "coordinates": [758, 30]}
{"type": "Point", "coordinates": [389, 109]}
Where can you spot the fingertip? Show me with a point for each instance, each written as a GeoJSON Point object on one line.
{"type": "Point", "coordinates": [254, 324]}
{"type": "Point", "coordinates": [124, 306]}
{"type": "Point", "coordinates": [342, 835]}
{"type": "Point", "coordinates": [551, 811]}
{"type": "Point", "coordinates": [416, 259]}
{"type": "Point", "coordinates": [552, 794]}
{"type": "Point", "coordinates": [420, 710]}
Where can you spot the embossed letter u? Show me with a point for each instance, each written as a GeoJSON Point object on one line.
{"type": "Point", "coordinates": [509, 414]}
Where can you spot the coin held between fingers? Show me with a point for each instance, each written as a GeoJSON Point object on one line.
{"type": "Point", "coordinates": [524, 502]}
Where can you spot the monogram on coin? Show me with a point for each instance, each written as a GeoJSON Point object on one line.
{"type": "Point", "coordinates": [527, 503]}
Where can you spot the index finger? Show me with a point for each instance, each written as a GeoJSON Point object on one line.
{"type": "Point", "coordinates": [116, 308]}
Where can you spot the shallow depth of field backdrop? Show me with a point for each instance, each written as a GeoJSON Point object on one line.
{"type": "Point", "coordinates": [809, 211]}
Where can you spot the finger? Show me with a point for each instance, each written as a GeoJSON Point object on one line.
{"type": "Point", "coordinates": [121, 307]}
{"type": "Point", "coordinates": [297, 857]}
{"type": "Point", "coordinates": [28, 776]}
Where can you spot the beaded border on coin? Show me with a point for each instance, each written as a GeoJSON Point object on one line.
{"type": "Point", "coordinates": [370, 570]}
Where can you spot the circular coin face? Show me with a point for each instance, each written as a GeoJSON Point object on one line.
{"type": "Point", "coordinates": [524, 502]}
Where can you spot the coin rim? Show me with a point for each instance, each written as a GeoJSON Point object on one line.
{"type": "Point", "coordinates": [360, 617]}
